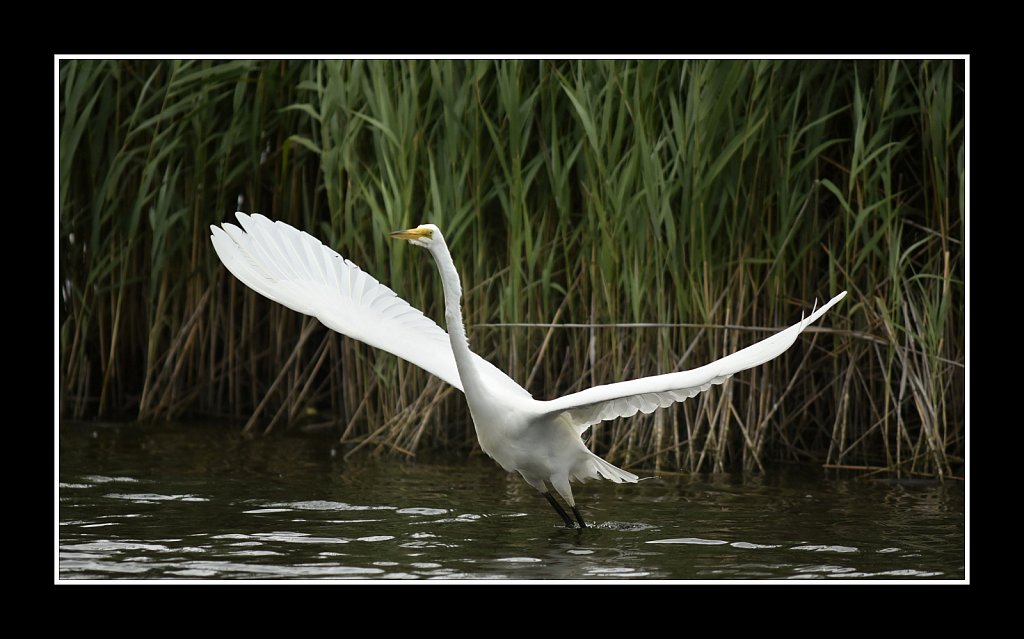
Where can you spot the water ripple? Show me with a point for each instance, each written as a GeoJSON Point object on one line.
{"type": "Point", "coordinates": [115, 546]}
{"type": "Point", "coordinates": [421, 511]}
{"type": "Point", "coordinates": [822, 548]}
{"type": "Point", "coordinates": [825, 568]}
{"type": "Point", "coordinates": [689, 540]}
{"type": "Point", "coordinates": [625, 526]}
{"type": "Point", "coordinates": [326, 505]}
{"type": "Point", "coordinates": [747, 544]}
{"type": "Point", "coordinates": [102, 479]}
{"type": "Point", "coordinates": [451, 520]}
{"type": "Point", "coordinates": [229, 536]}
{"type": "Point", "coordinates": [614, 570]}
{"type": "Point", "coordinates": [226, 568]}
{"type": "Point", "coordinates": [147, 498]}
{"type": "Point", "coordinates": [299, 538]}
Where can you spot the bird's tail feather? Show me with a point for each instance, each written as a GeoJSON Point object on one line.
{"type": "Point", "coordinates": [595, 468]}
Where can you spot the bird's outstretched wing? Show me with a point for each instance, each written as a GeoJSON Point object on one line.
{"type": "Point", "coordinates": [647, 394]}
{"type": "Point", "coordinates": [293, 268]}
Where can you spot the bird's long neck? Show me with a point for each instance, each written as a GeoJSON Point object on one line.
{"type": "Point", "coordinates": [453, 316]}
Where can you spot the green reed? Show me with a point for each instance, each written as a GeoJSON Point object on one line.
{"type": "Point", "coordinates": [700, 196]}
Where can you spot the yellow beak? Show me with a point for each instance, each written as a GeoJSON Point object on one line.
{"type": "Point", "coordinates": [411, 234]}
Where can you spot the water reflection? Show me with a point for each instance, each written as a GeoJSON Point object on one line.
{"type": "Point", "coordinates": [183, 503]}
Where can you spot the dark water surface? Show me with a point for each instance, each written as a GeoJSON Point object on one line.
{"type": "Point", "coordinates": [203, 502]}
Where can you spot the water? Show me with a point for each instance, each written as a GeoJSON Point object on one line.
{"type": "Point", "coordinates": [203, 502]}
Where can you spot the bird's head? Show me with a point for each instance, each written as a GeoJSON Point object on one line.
{"type": "Point", "coordinates": [424, 235]}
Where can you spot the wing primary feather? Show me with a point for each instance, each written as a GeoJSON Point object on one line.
{"type": "Point", "coordinates": [625, 399]}
{"type": "Point", "coordinates": [295, 269]}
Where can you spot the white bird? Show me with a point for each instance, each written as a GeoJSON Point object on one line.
{"type": "Point", "coordinates": [541, 440]}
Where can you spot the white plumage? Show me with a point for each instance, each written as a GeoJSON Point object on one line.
{"type": "Point", "coordinates": [538, 439]}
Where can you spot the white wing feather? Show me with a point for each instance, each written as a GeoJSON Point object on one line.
{"type": "Point", "coordinates": [293, 268]}
{"type": "Point", "coordinates": [647, 394]}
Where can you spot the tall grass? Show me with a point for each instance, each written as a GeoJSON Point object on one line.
{"type": "Point", "coordinates": [693, 197]}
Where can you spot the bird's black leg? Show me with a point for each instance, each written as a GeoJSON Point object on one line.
{"type": "Point", "coordinates": [561, 511]}
{"type": "Point", "coordinates": [579, 517]}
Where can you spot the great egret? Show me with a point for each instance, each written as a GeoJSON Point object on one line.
{"type": "Point", "coordinates": [541, 440]}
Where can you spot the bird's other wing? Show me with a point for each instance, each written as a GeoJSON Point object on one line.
{"type": "Point", "coordinates": [647, 394]}
{"type": "Point", "coordinates": [293, 268]}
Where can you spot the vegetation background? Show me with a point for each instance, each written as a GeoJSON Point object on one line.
{"type": "Point", "coordinates": [710, 201]}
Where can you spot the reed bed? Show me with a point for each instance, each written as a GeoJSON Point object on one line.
{"type": "Point", "coordinates": [610, 219]}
